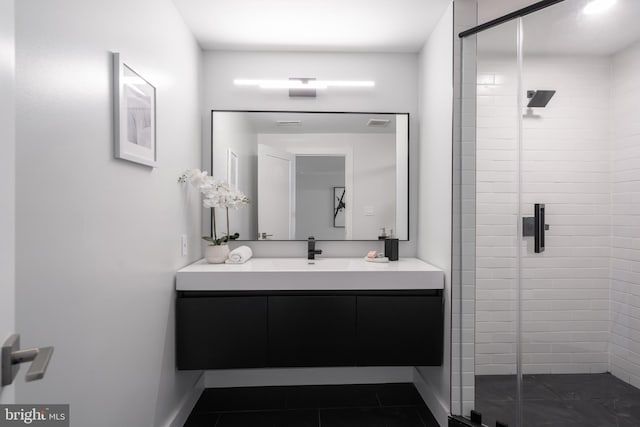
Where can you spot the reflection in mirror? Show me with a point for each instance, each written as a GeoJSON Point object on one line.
{"type": "Point", "coordinates": [334, 176]}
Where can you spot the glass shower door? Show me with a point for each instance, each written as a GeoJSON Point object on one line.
{"type": "Point", "coordinates": [550, 217]}
{"type": "Point", "coordinates": [496, 164]}
{"type": "Point", "coordinates": [579, 156]}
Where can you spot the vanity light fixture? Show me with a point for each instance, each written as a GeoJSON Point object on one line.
{"type": "Point", "coordinates": [302, 86]}
{"type": "Point", "coordinates": [598, 6]}
{"type": "Point", "coordinates": [303, 83]}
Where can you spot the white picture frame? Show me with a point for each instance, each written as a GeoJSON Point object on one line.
{"type": "Point", "coordinates": [232, 169]}
{"type": "Point", "coordinates": [134, 114]}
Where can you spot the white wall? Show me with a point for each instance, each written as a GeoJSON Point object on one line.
{"type": "Point", "coordinates": [374, 174]}
{"type": "Point", "coordinates": [98, 238]}
{"type": "Point", "coordinates": [564, 165]}
{"type": "Point", "coordinates": [625, 199]}
{"type": "Point", "coordinates": [235, 132]}
{"type": "Point", "coordinates": [7, 179]}
{"type": "Point", "coordinates": [396, 77]}
{"type": "Point", "coordinates": [434, 232]}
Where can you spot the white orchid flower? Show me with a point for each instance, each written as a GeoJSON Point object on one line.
{"type": "Point", "coordinates": [216, 193]}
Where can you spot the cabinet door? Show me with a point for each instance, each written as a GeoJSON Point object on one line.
{"type": "Point", "coordinates": [221, 332]}
{"type": "Point", "coordinates": [400, 330]}
{"type": "Point", "coordinates": [312, 330]}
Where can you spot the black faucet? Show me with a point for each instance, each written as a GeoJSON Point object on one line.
{"type": "Point", "coordinates": [311, 248]}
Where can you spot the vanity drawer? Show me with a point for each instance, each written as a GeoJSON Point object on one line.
{"type": "Point", "coordinates": [221, 332]}
{"type": "Point", "coordinates": [312, 331]}
{"type": "Point", "coordinates": [400, 330]}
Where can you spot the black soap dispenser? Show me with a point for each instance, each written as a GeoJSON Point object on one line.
{"type": "Point", "coordinates": [391, 247]}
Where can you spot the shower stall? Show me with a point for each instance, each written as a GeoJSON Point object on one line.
{"type": "Point", "coordinates": [546, 250]}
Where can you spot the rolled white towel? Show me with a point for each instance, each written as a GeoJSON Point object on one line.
{"type": "Point", "coordinates": [239, 255]}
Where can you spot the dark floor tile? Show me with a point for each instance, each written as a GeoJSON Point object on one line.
{"type": "Point", "coordinates": [371, 417]}
{"type": "Point", "coordinates": [588, 386]}
{"type": "Point", "coordinates": [241, 399]}
{"type": "Point", "coordinates": [626, 423]}
{"type": "Point", "coordinates": [201, 419]}
{"type": "Point", "coordinates": [535, 413]}
{"type": "Point", "coordinates": [503, 387]}
{"type": "Point", "coordinates": [269, 419]}
{"type": "Point", "coordinates": [625, 409]}
{"type": "Point", "coordinates": [496, 410]}
{"type": "Point", "coordinates": [495, 387]}
{"type": "Point", "coordinates": [427, 417]}
{"type": "Point", "coordinates": [594, 412]}
{"type": "Point", "coordinates": [331, 396]}
{"type": "Point", "coordinates": [399, 394]}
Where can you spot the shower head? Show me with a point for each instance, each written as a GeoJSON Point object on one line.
{"type": "Point", "coordinates": [539, 98]}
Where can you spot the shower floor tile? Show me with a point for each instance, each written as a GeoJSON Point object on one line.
{"type": "Point", "coordinates": [588, 400]}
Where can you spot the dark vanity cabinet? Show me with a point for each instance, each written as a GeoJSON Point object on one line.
{"type": "Point", "coordinates": [312, 330]}
{"type": "Point", "coordinates": [215, 332]}
{"type": "Point", "coordinates": [223, 330]}
{"type": "Point", "coordinates": [399, 330]}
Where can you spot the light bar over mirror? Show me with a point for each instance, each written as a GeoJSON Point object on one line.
{"type": "Point", "coordinates": [334, 176]}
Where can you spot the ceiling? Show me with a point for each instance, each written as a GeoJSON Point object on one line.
{"type": "Point", "coordinates": [563, 29]}
{"type": "Point", "coordinates": [312, 25]}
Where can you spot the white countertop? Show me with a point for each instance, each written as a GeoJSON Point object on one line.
{"type": "Point", "coordinates": [276, 274]}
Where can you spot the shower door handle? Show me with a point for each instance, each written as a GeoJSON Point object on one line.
{"type": "Point", "coordinates": [536, 227]}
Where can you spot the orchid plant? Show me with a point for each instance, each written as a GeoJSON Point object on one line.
{"type": "Point", "coordinates": [215, 194]}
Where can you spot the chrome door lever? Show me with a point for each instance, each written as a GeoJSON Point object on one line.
{"type": "Point", "coordinates": [12, 357]}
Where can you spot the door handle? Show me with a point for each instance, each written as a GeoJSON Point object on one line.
{"type": "Point", "coordinates": [535, 226]}
{"type": "Point", "coordinates": [12, 357]}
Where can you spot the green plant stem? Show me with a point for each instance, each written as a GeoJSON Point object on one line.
{"type": "Point", "coordinates": [215, 234]}
{"type": "Point", "coordinates": [228, 234]}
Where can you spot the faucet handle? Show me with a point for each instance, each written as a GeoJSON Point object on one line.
{"type": "Point", "coordinates": [311, 238]}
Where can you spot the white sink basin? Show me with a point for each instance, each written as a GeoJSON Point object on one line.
{"type": "Point", "coordinates": [262, 274]}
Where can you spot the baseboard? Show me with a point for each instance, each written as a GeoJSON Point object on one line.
{"type": "Point", "coordinates": [438, 407]}
{"type": "Point", "coordinates": [187, 404]}
{"type": "Point", "coordinates": [307, 376]}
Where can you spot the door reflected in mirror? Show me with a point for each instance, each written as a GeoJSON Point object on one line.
{"type": "Point", "coordinates": [334, 176]}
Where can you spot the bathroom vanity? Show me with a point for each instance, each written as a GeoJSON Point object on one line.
{"type": "Point", "coordinates": [289, 313]}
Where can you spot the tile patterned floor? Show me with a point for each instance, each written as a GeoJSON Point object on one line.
{"type": "Point", "coordinates": [585, 400]}
{"type": "Point", "coordinates": [371, 405]}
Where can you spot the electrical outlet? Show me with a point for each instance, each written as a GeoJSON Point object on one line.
{"type": "Point", "coordinates": [183, 245]}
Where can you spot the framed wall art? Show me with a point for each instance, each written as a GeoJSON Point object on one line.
{"type": "Point", "coordinates": [338, 207]}
{"type": "Point", "coordinates": [134, 114]}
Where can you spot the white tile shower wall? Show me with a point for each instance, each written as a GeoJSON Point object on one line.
{"type": "Point", "coordinates": [463, 209]}
{"type": "Point", "coordinates": [625, 250]}
{"type": "Point", "coordinates": [565, 165]}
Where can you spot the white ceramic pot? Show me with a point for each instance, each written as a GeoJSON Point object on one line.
{"type": "Point", "coordinates": [216, 254]}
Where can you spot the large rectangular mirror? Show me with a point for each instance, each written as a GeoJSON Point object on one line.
{"type": "Point", "coordinates": [334, 176]}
